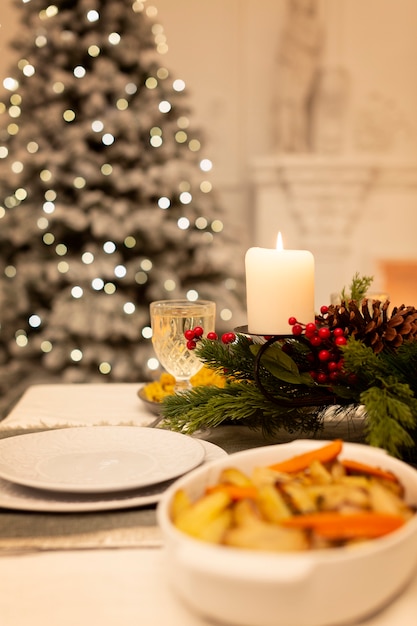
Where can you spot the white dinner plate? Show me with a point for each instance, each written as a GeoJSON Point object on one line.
{"type": "Point", "coordinates": [13, 496]}
{"type": "Point", "coordinates": [98, 459]}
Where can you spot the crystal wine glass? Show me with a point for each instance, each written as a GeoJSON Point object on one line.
{"type": "Point", "coordinates": [169, 320]}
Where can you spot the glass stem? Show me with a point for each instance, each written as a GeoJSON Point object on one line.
{"type": "Point", "coordinates": [182, 385]}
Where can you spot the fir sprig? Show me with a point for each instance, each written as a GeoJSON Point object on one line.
{"type": "Point", "coordinates": [391, 409]}
{"type": "Point", "coordinates": [239, 402]}
{"type": "Point", "coordinates": [362, 361]}
{"type": "Point", "coordinates": [403, 363]}
{"type": "Point", "coordinates": [388, 384]}
{"type": "Point", "coordinates": [233, 360]}
{"type": "Point", "coordinates": [358, 288]}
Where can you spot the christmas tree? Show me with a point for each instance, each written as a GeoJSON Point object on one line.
{"type": "Point", "coordinates": [106, 205]}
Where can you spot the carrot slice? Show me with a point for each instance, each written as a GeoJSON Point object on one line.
{"type": "Point", "coordinates": [325, 454]}
{"type": "Point", "coordinates": [363, 468]}
{"type": "Point", "coordinates": [333, 525]}
{"type": "Point", "coordinates": [235, 492]}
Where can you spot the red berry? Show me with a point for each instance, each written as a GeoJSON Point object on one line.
{"type": "Point", "coordinates": [315, 341]}
{"type": "Point", "coordinates": [297, 329]}
{"type": "Point", "coordinates": [191, 344]}
{"type": "Point", "coordinates": [198, 331]}
{"type": "Point", "coordinates": [324, 333]}
{"type": "Point", "coordinates": [340, 341]}
{"type": "Point", "coordinates": [292, 321]}
{"type": "Point", "coordinates": [321, 378]}
{"type": "Point", "coordinates": [338, 332]}
{"type": "Point", "coordinates": [310, 329]}
{"type": "Point", "coordinates": [228, 338]}
{"type": "Point", "coordinates": [334, 376]}
{"type": "Point", "coordinates": [324, 309]}
{"type": "Point", "coordinates": [212, 336]}
{"type": "Point", "coordinates": [324, 355]}
{"type": "Point", "coordinates": [189, 334]}
{"type": "Point", "coordinates": [332, 366]}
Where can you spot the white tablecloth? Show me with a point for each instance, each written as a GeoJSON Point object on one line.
{"type": "Point", "coordinates": [78, 405]}
{"type": "Point", "coordinates": [114, 586]}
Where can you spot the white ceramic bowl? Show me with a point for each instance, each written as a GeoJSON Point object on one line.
{"type": "Point", "coordinates": [313, 588]}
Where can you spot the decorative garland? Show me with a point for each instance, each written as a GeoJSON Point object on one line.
{"type": "Point", "coordinates": [353, 354]}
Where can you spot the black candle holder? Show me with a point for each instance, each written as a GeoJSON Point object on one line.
{"type": "Point", "coordinates": [318, 399]}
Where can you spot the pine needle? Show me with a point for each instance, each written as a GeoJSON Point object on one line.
{"type": "Point", "coordinates": [357, 289]}
{"type": "Point", "coordinates": [240, 402]}
{"type": "Point", "coordinates": [391, 413]}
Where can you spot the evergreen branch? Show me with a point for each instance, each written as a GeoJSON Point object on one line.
{"type": "Point", "coordinates": [233, 360]}
{"type": "Point", "coordinates": [403, 363]}
{"type": "Point", "coordinates": [240, 402]}
{"type": "Point", "coordinates": [391, 411]}
{"type": "Point", "coordinates": [357, 289]}
{"type": "Point", "coordinates": [362, 361]}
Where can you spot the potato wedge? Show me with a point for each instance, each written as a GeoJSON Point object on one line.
{"type": "Point", "coordinates": [338, 496]}
{"type": "Point", "coordinates": [271, 504]}
{"type": "Point", "coordinates": [234, 476]}
{"type": "Point", "coordinates": [301, 500]}
{"type": "Point", "coordinates": [245, 513]}
{"type": "Point", "coordinates": [265, 475]}
{"type": "Point", "coordinates": [263, 536]}
{"type": "Point", "coordinates": [214, 531]}
{"type": "Point", "coordinates": [319, 473]}
{"type": "Point", "coordinates": [192, 520]}
{"type": "Point", "coordinates": [180, 502]}
{"type": "Point", "coordinates": [384, 500]}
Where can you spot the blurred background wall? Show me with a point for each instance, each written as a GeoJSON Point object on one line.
{"type": "Point", "coordinates": [351, 195]}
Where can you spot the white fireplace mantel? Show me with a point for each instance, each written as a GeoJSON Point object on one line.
{"type": "Point", "coordinates": [333, 205]}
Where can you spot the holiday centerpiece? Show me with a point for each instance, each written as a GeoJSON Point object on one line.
{"type": "Point", "coordinates": [357, 354]}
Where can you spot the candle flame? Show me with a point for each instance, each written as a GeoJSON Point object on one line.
{"type": "Point", "coordinates": [280, 246]}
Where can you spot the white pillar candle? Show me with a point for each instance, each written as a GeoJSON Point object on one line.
{"type": "Point", "coordinates": [279, 285]}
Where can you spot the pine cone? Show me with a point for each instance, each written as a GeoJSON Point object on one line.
{"type": "Point", "coordinates": [372, 325]}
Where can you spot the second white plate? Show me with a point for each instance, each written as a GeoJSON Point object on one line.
{"type": "Point", "coordinates": [98, 459]}
{"type": "Point", "coordinates": [13, 496]}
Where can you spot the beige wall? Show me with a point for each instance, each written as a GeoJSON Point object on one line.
{"type": "Point", "coordinates": [226, 52]}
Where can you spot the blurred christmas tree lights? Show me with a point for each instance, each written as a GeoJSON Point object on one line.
{"type": "Point", "coordinates": [106, 198]}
